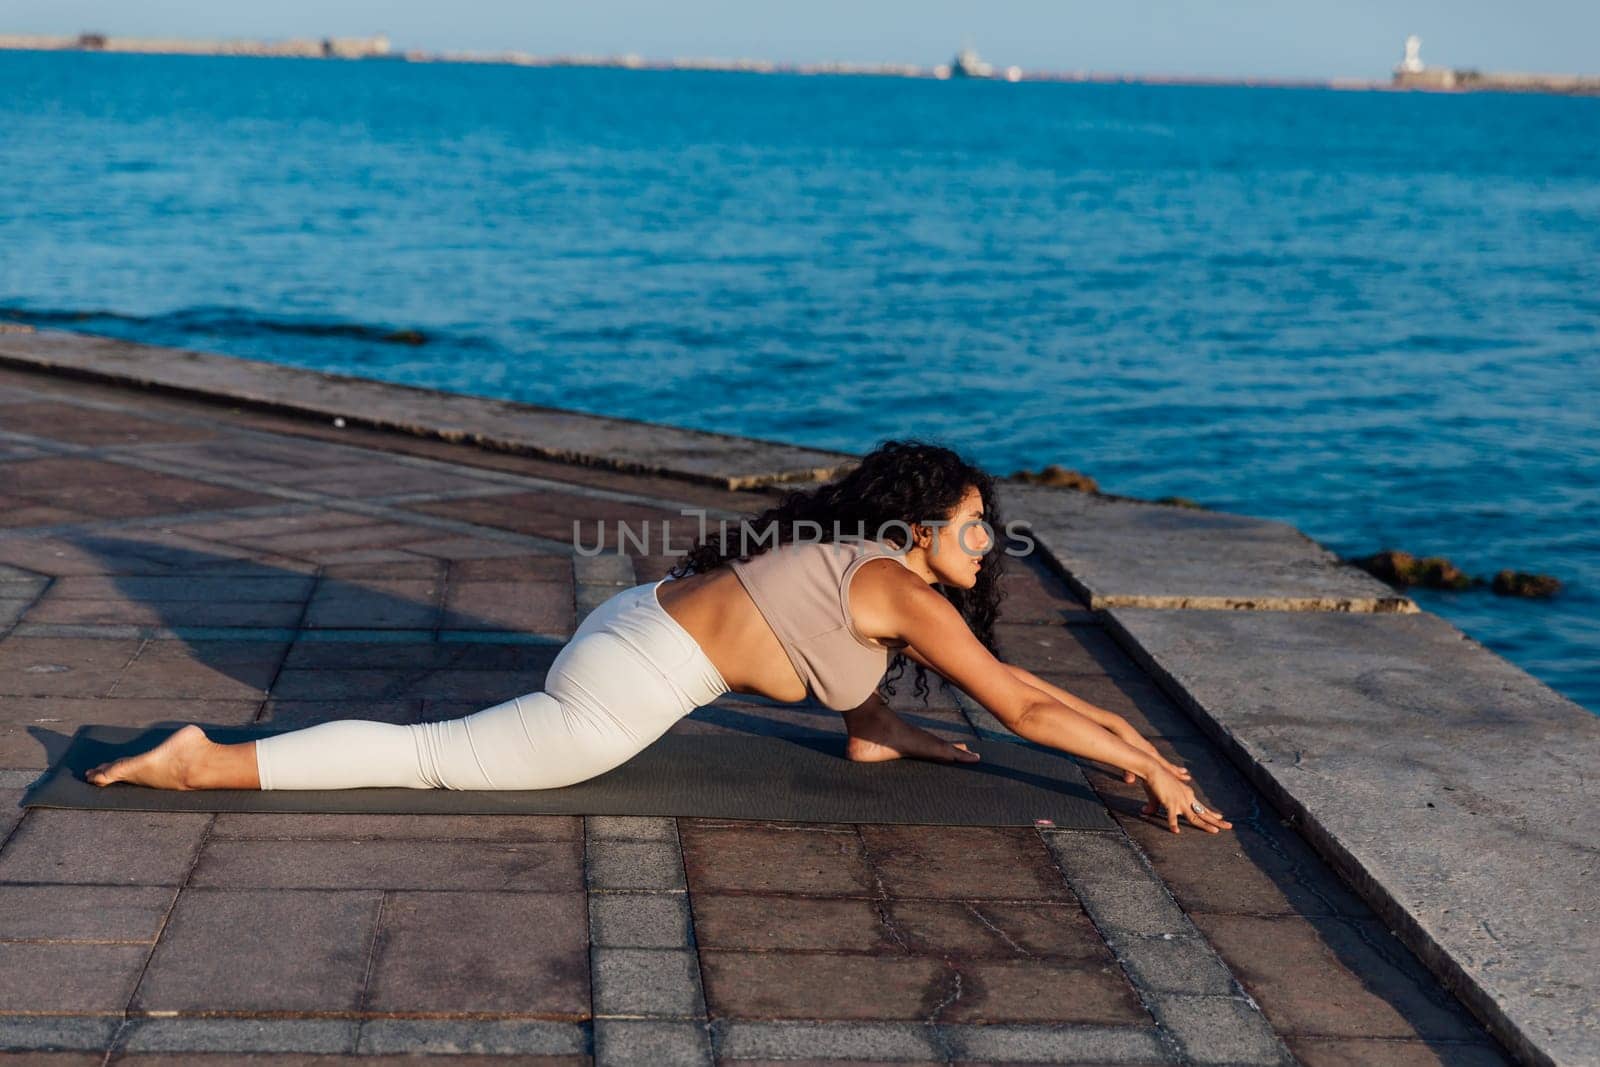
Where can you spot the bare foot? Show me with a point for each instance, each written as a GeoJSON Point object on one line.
{"type": "Point", "coordinates": [886, 736]}
{"type": "Point", "coordinates": [170, 765]}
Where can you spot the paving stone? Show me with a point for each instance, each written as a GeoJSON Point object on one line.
{"type": "Point", "coordinates": [812, 1062]}
{"type": "Point", "coordinates": [566, 518]}
{"type": "Point", "coordinates": [67, 977]}
{"type": "Point", "coordinates": [307, 654]}
{"type": "Point", "coordinates": [492, 953]}
{"type": "Point", "coordinates": [1069, 991]}
{"type": "Point", "coordinates": [134, 551]}
{"type": "Point", "coordinates": [1175, 965]}
{"type": "Point", "coordinates": [1065, 649]}
{"type": "Point", "coordinates": [229, 670]}
{"type": "Point", "coordinates": [360, 555]}
{"type": "Point", "coordinates": [364, 479]}
{"type": "Point", "coordinates": [759, 859]}
{"type": "Point", "coordinates": [335, 1059]}
{"type": "Point", "coordinates": [82, 425]}
{"type": "Point", "coordinates": [745, 921]}
{"type": "Point", "coordinates": [330, 543]}
{"type": "Point", "coordinates": [10, 813]}
{"type": "Point", "coordinates": [502, 1037]}
{"type": "Point", "coordinates": [1033, 594]}
{"type": "Point", "coordinates": [639, 920]}
{"type": "Point", "coordinates": [1271, 871]}
{"type": "Point", "coordinates": [260, 951]}
{"type": "Point", "coordinates": [1134, 909]}
{"type": "Point", "coordinates": [527, 567]}
{"type": "Point", "coordinates": [144, 493]}
{"type": "Point", "coordinates": [58, 1032]}
{"type": "Point", "coordinates": [237, 453]}
{"type": "Point", "coordinates": [82, 912]}
{"type": "Point", "coordinates": [634, 865]}
{"type": "Point", "coordinates": [20, 585]}
{"type": "Point", "coordinates": [527, 866]}
{"type": "Point", "coordinates": [1218, 1030]}
{"type": "Point", "coordinates": [241, 589]}
{"type": "Point", "coordinates": [298, 714]}
{"type": "Point", "coordinates": [740, 717]}
{"type": "Point", "coordinates": [294, 519]}
{"type": "Point", "coordinates": [631, 828]}
{"type": "Point", "coordinates": [540, 607]}
{"type": "Point", "coordinates": [788, 985]}
{"type": "Point", "coordinates": [258, 1037]}
{"type": "Point", "coordinates": [170, 613]}
{"type": "Point", "coordinates": [407, 566]}
{"type": "Point", "coordinates": [461, 828]}
{"type": "Point", "coordinates": [55, 845]}
{"type": "Point", "coordinates": [963, 862]}
{"type": "Point", "coordinates": [1339, 1052]}
{"type": "Point", "coordinates": [68, 713]}
{"type": "Point", "coordinates": [12, 609]}
{"type": "Point", "coordinates": [646, 981]}
{"type": "Point", "coordinates": [658, 1042]}
{"type": "Point", "coordinates": [19, 512]}
{"type": "Point", "coordinates": [1335, 977]}
{"type": "Point", "coordinates": [56, 667]}
{"type": "Point", "coordinates": [54, 1058]}
{"type": "Point", "coordinates": [375, 604]}
{"type": "Point", "coordinates": [606, 568]}
{"type": "Point", "coordinates": [486, 688]}
{"type": "Point", "coordinates": [57, 472]}
{"type": "Point", "coordinates": [1092, 858]}
{"type": "Point", "coordinates": [468, 548]}
{"type": "Point", "coordinates": [996, 929]}
{"type": "Point", "coordinates": [1054, 1044]}
{"type": "Point", "coordinates": [29, 746]}
{"type": "Point", "coordinates": [740, 1039]}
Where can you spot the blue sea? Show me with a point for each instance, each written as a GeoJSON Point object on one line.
{"type": "Point", "coordinates": [1373, 315]}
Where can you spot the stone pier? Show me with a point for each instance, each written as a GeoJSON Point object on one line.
{"type": "Point", "coordinates": [187, 537]}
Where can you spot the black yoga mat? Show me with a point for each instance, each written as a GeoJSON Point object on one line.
{"type": "Point", "coordinates": [781, 779]}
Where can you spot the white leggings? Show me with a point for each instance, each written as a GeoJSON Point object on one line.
{"type": "Point", "coordinates": [626, 676]}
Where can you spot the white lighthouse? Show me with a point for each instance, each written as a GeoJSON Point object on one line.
{"type": "Point", "coordinates": [1412, 73]}
{"type": "Point", "coordinates": [1412, 63]}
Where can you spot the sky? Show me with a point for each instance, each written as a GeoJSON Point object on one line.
{"type": "Point", "coordinates": [1246, 38]}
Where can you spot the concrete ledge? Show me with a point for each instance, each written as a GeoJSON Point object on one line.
{"type": "Point", "coordinates": [1450, 788]}
{"type": "Point", "coordinates": [721, 460]}
{"type": "Point", "coordinates": [1116, 552]}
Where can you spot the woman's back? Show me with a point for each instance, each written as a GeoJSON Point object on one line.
{"type": "Point", "coordinates": [779, 624]}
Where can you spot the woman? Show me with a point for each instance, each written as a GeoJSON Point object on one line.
{"type": "Point", "coordinates": [897, 556]}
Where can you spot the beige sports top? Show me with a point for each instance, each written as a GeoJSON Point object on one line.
{"type": "Point", "coordinates": [802, 590]}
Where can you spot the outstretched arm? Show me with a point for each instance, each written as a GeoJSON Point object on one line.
{"type": "Point", "coordinates": [1110, 720]}
{"type": "Point", "coordinates": [935, 629]}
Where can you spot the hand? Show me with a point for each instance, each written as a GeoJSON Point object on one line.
{"type": "Point", "coordinates": [1165, 791]}
{"type": "Point", "coordinates": [1136, 739]}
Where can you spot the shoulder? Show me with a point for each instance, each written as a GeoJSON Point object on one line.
{"type": "Point", "coordinates": [880, 591]}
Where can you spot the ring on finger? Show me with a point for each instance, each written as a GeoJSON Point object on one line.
{"type": "Point", "coordinates": [1198, 810]}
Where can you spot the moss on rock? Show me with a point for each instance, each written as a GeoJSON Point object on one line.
{"type": "Point", "coordinates": [1402, 569]}
{"type": "Point", "coordinates": [1520, 583]}
{"type": "Point", "coordinates": [1057, 475]}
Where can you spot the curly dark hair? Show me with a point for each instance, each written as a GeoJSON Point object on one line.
{"type": "Point", "coordinates": [899, 482]}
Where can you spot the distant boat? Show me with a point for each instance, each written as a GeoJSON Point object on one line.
{"type": "Point", "coordinates": [968, 65]}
